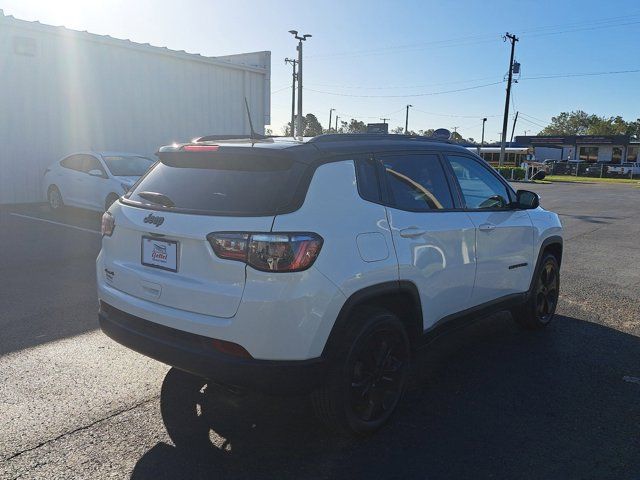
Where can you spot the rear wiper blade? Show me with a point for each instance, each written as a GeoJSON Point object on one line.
{"type": "Point", "coordinates": [157, 198]}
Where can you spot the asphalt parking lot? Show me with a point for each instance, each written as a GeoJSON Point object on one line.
{"type": "Point", "coordinates": [488, 401]}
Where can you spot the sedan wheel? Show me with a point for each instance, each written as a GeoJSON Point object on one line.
{"type": "Point", "coordinates": [55, 198]}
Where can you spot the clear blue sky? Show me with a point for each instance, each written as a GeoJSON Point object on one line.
{"type": "Point", "coordinates": [398, 48]}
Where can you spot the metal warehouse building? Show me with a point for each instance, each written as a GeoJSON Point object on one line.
{"type": "Point", "coordinates": [64, 91]}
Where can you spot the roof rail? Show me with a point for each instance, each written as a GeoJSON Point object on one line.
{"type": "Point", "coordinates": [346, 137]}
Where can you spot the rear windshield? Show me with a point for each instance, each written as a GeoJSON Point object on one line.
{"type": "Point", "coordinates": [220, 185]}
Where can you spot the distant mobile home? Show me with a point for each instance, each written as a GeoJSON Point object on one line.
{"type": "Point", "coordinates": [65, 91]}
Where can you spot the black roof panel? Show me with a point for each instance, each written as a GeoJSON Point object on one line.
{"type": "Point", "coordinates": [316, 148]}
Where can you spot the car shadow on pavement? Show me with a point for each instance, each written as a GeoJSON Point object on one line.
{"type": "Point", "coordinates": [489, 401]}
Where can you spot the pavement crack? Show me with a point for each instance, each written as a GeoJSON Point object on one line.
{"type": "Point", "coordinates": [80, 429]}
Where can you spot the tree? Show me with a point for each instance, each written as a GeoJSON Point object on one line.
{"type": "Point", "coordinates": [310, 126]}
{"type": "Point", "coordinates": [397, 130]}
{"type": "Point", "coordinates": [633, 129]}
{"type": "Point", "coordinates": [356, 126]}
{"type": "Point", "coordinates": [581, 123]}
{"type": "Point", "coordinates": [568, 123]}
{"type": "Point", "coordinates": [456, 137]}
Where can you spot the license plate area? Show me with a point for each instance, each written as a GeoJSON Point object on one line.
{"type": "Point", "coordinates": [162, 254]}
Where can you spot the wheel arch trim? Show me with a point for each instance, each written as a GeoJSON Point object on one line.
{"type": "Point", "coordinates": [368, 294]}
{"type": "Point", "coordinates": [551, 240]}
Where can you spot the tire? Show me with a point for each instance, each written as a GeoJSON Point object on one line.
{"type": "Point", "coordinates": [541, 305]}
{"type": "Point", "coordinates": [110, 200]}
{"type": "Point", "coordinates": [54, 197]}
{"type": "Point", "coordinates": [367, 373]}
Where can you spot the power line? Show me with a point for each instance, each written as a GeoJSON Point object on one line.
{"type": "Point", "coordinates": [535, 118]}
{"type": "Point", "coordinates": [541, 77]}
{"type": "Point", "coordinates": [618, 21]}
{"type": "Point", "coordinates": [532, 122]}
{"type": "Point", "coordinates": [455, 41]}
{"type": "Point", "coordinates": [405, 96]}
{"type": "Point", "coordinates": [453, 115]}
{"type": "Point", "coordinates": [387, 87]}
{"type": "Point", "coordinates": [582, 29]}
{"type": "Point", "coordinates": [278, 90]}
{"type": "Point", "coordinates": [587, 74]}
{"type": "Point", "coordinates": [583, 22]}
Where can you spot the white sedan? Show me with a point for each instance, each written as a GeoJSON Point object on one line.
{"type": "Point", "coordinates": [93, 180]}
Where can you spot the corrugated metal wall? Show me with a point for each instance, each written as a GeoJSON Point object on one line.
{"type": "Point", "coordinates": [63, 91]}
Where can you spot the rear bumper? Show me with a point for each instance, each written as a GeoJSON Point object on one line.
{"type": "Point", "coordinates": [195, 354]}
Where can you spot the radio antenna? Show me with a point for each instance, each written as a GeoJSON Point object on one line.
{"type": "Point", "coordinates": [254, 135]}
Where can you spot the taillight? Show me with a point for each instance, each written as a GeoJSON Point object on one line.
{"type": "Point", "coordinates": [200, 148]}
{"type": "Point", "coordinates": [108, 224]}
{"type": "Point", "coordinates": [269, 252]}
{"type": "Point", "coordinates": [232, 246]}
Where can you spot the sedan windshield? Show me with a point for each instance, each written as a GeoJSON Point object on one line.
{"type": "Point", "coordinates": [130, 165]}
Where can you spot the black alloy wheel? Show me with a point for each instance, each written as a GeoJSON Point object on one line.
{"type": "Point", "coordinates": [546, 294]}
{"type": "Point", "coordinates": [542, 300]}
{"type": "Point", "coordinates": [378, 371]}
{"type": "Point", "coordinates": [368, 372]}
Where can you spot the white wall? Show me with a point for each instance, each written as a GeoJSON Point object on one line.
{"type": "Point", "coordinates": [80, 92]}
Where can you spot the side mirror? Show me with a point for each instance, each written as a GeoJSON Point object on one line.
{"type": "Point", "coordinates": [96, 173]}
{"type": "Point", "coordinates": [527, 200]}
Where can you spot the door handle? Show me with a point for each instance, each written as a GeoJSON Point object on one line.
{"type": "Point", "coordinates": [412, 232]}
{"type": "Point", "coordinates": [487, 227]}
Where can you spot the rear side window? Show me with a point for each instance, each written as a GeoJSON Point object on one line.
{"type": "Point", "coordinates": [91, 163]}
{"type": "Point", "coordinates": [367, 178]}
{"type": "Point", "coordinates": [74, 162]}
{"type": "Point", "coordinates": [416, 183]}
{"type": "Point", "coordinates": [127, 165]}
{"type": "Point", "coordinates": [221, 184]}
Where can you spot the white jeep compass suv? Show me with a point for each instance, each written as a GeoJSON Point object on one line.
{"type": "Point", "coordinates": [320, 266]}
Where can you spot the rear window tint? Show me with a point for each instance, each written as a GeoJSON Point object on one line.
{"type": "Point", "coordinates": [417, 183]}
{"type": "Point", "coordinates": [221, 185]}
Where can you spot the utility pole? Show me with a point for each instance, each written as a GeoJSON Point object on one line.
{"type": "Point", "coordinates": [384, 120]}
{"type": "Point", "coordinates": [293, 62]}
{"type": "Point", "coordinates": [337, 117]}
{"type": "Point", "coordinates": [484, 120]}
{"type": "Point", "coordinates": [299, 48]}
{"type": "Point", "coordinates": [331, 110]}
{"type": "Point", "coordinates": [514, 127]}
{"type": "Point", "coordinates": [526, 132]}
{"type": "Point", "coordinates": [406, 121]}
{"type": "Point", "coordinates": [513, 39]}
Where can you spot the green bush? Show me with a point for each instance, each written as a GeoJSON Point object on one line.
{"type": "Point", "coordinates": [518, 173]}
